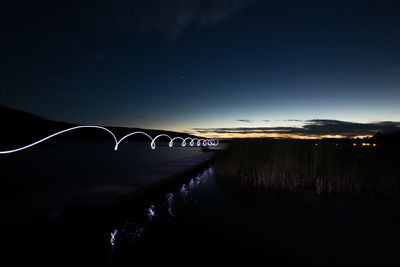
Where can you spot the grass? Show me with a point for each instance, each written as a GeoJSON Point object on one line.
{"type": "Point", "coordinates": [324, 166]}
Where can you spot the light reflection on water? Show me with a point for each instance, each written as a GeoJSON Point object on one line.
{"type": "Point", "coordinates": [113, 234]}
{"type": "Point", "coordinates": [184, 191]}
{"type": "Point", "coordinates": [170, 203]}
{"type": "Point", "coordinates": [239, 227]}
{"type": "Point", "coordinates": [131, 232]}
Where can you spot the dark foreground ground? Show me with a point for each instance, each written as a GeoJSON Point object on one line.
{"type": "Point", "coordinates": [205, 221]}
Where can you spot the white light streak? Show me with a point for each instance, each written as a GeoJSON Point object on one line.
{"type": "Point", "coordinates": [204, 142]}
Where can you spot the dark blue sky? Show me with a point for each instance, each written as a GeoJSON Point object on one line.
{"type": "Point", "coordinates": [202, 64]}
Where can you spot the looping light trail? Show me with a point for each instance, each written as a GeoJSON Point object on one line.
{"type": "Point", "coordinates": [205, 142]}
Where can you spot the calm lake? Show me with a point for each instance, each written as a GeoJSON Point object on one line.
{"type": "Point", "coordinates": [37, 184]}
{"type": "Point", "coordinates": [208, 222]}
{"type": "Point", "coordinates": [202, 221]}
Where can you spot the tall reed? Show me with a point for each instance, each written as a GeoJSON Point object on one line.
{"type": "Point", "coordinates": [323, 166]}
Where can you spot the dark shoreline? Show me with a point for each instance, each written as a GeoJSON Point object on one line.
{"type": "Point", "coordinates": [83, 220]}
{"type": "Point", "coordinates": [20, 128]}
{"type": "Point", "coordinates": [82, 237]}
{"type": "Point", "coordinates": [143, 195]}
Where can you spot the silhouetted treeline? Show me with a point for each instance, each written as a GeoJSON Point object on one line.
{"type": "Point", "coordinates": [392, 138]}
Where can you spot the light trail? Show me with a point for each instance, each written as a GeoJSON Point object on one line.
{"type": "Point", "coordinates": [206, 142]}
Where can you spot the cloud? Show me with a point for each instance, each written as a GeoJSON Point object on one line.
{"type": "Point", "coordinates": [248, 121]}
{"type": "Point", "coordinates": [171, 17]}
{"type": "Point", "coordinates": [315, 127]}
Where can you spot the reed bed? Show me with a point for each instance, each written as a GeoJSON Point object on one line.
{"type": "Point", "coordinates": [322, 166]}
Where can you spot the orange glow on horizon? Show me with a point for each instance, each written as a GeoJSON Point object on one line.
{"type": "Point", "coordinates": [276, 136]}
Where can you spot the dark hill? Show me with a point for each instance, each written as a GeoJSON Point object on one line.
{"type": "Point", "coordinates": [19, 128]}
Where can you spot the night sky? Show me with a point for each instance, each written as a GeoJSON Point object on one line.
{"type": "Point", "coordinates": [212, 67]}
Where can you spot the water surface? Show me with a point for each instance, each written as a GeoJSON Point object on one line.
{"type": "Point", "coordinates": [207, 221]}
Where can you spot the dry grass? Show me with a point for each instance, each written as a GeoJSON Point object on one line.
{"type": "Point", "coordinates": [297, 164]}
